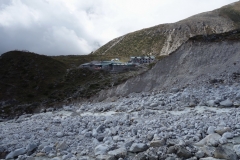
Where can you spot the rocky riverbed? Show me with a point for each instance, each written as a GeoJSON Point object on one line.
{"type": "Point", "coordinates": [191, 123]}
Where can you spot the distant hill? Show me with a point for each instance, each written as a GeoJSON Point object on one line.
{"type": "Point", "coordinates": [27, 76]}
{"type": "Point", "coordinates": [30, 82]}
{"type": "Point", "coordinates": [163, 39]}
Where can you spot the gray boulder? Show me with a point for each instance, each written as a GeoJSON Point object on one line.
{"type": "Point", "coordinates": [100, 128]}
{"type": "Point", "coordinates": [172, 150]}
{"type": "Point", "coordinates": [228, 135]}
{"type": "Point", "coordinates": [183, 152]}
{"type": "Point", "coordinates": [211, 130]}
{"type": "Point", "coordinates": [200, 154]}
{"type": "Point", "coordinates": [138, 147]}
{"type": "Point", "coordinates": [101, 149]}
{"type": "Point", "coordinates": [158, 143]}
{"type": "Point", "coordinates": [222, 130]}
{"type": "Point", "coordinates": [62, 145]}
{"type": "Point", "coordinates": [223, 140]}
{"type": "Point", "coordinates": [208, 150]}
{"type": "Point", "coordinates": [153, 105]}
{"type": "Point", "coordinates": [236, 149]}
{"type": "Point", "coordinates": [118, 153]}
{"type": "Point", "coordinates": [225, 153]}
{"type": "Point", "coordinates": [47, 149]}
{"type": "Point", "coordinates": [211, 103]}
{"type": "Point", "coordinates": [226, 103]}
{"type": "Point", "coordinates": [210, 140]}
{"type": "Point", "coordinates": [16, 153]}
{"type": "Point", "coordinates": [238, 96]}
{"type": "Point", "coordinates": [59, 134]}
{"type": "Point", "coordinates": [30, 147]}
{"type": "Point", "coordinates": [180, 151]}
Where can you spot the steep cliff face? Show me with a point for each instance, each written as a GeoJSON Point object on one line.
{"type": "Point", "coordinates": [201, 60]}
{"type": "Point", "coordinates": [166, 38]}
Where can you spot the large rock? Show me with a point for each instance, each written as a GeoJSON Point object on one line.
{"type": "Point", "coordinates": [138, 147]}
{"type": "Point", "coordinates": [221, 130]}
{"type": "Point", "coordinates": [101, 149]}
{"type": "Point", "coordinates": [211, 103]}
{"type": "Point", "coordinates": [225, 153]}
{"type": "Point", "coordinates": [208, 150]}
{"type": "Point", "coordinates": [226, 103]}
{"type": "Point", "coordinates": [30, 147]}
{"type": "Point", "coordinates": [118, 153]}
{"type": "Point", "coordinates": [172, 150]}
{"type": "Point", "coordinates": [228, 135]}
{"type": "Point", "coordinates": [62, 145]}
{"type": "Point", "coordinates": [200, 154]}
{"type": "Point", "coordinates": [47, 149]}
{"type": "Point", "coordinates": [223, 140]}
{"type": "Point", "coordinates": [158, 143]}
{"type": "Point", "coordinates": [100, 128]}
{"type": "Point", "coordinates": [183, 152]}
{"type": "Point", "coordinates": [153, 105]}
{"type": "Point", "coordinates": [59, 134]}
{"type": "Point", "coordinates": [211, 130]}
{"type": "Point", "coordinates": [16, 153]}
{"type": "Point", "coordinates": [211, 140]}
{"type": "Point", "coordinates": [100, 137]}
{"type": "Point", "coordinates": [236, 149]}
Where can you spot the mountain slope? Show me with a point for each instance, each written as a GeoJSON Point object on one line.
{"type": "Point", "coordinates": [25, 76]}
{"type": "Point", "coordinates": [200, 61]}
{"type": "Point", "coordinates": [30, 82]}
{"type": "Point", "coordinates": [166, 38]}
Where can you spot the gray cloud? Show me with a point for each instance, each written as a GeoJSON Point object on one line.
{"type": "Point", "coordinates": [59, 27]}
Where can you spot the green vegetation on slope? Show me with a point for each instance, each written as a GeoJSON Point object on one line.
{"type": "Point", "coordinates": [138, 43]}
{"type": "Point", "coordinates": [26, 76]}
{"type": "Point", "coordinates": [29, 82]}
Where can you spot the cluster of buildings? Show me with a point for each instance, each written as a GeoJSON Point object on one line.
{"type": "Point", "coordinates": [142, 59]}
{"type": "Point", "coordinates": [116, 66]}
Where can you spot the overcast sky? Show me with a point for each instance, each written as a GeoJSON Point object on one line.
{"type": "Point", "coordinates": [62, 27]}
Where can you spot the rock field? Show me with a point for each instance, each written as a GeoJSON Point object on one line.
{"type": "Point", "coordinates": [191, 123]}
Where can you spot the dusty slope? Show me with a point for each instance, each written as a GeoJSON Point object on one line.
{"type": "Point", "coordinates": [199, 61]}
{"type": "Point", "coordinates": [166, 38]}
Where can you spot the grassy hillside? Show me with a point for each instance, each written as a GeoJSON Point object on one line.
{"type": "Point", "coordinates": [166, 38]}
{"type": "Point", "coordinates": [26, 76]}
{"type": "Point", "coordinates": [29, 81]}
{"type": "Point", "coordinates": [143, 42]}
